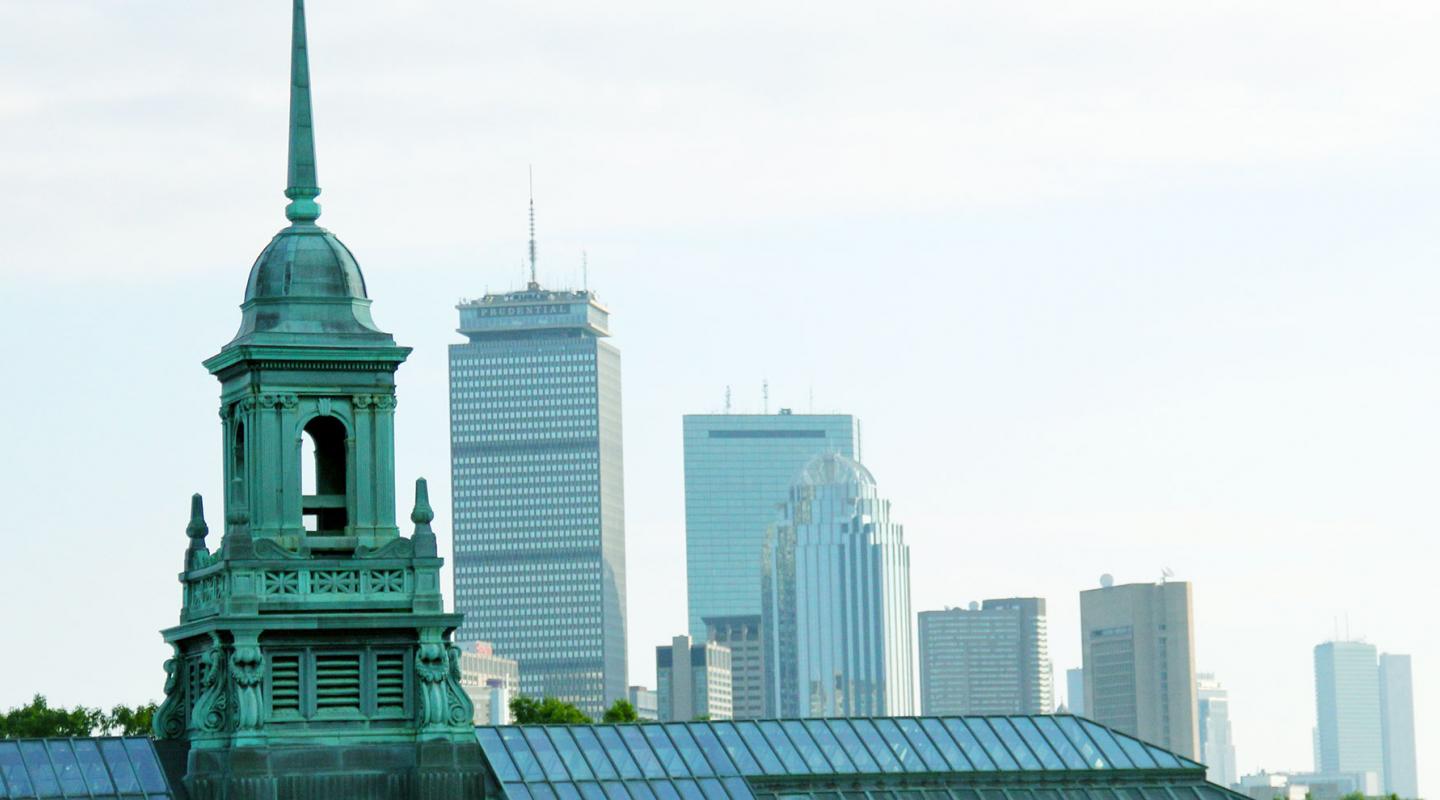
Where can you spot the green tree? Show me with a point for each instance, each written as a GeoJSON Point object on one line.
{"type": "Point", "coordinates": [38, 719]}
{"type": "Point", "coordinates": [621, 711]}
{"type": "Point", "coordinates": [550, 711]}
{"type": "Point", "coordinates": [126, 721]}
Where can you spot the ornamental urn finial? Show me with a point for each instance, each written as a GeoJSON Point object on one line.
{"type": "Point", "coordinates": [197, 530]}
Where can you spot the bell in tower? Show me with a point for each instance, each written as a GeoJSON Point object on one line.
{"type": "Point", "coordinates": [313, 657]}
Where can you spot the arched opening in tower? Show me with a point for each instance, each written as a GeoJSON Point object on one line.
{"type": "Point", "coordinates": [322, 486]}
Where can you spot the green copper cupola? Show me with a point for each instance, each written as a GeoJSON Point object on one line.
{"type": "Point", "coordinates": [308, 381]}
{"type": "Point", "coordinates": [306, 285]}
{"type": "Point", "coordinates": [313, 656]}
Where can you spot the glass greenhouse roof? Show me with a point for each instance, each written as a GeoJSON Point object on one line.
{"type": "Point", "coordinates": [737, 760]}
{"type": "Point", "coordinates": [95, 768]}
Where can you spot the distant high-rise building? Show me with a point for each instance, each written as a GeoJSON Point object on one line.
{"type": "Point", "coordinates": [738, 471]}
{"type": "Point", "coordinates": [1397, 726]}
{"type": "Point", "coordinates": [836, 604]}
{"type": "Point", "coordinates": [1347, 709]}
{"type": "Point", "coordinates": [645, 702]}
{"type": "Point", "coordinates": [490, 681]}
{"type": "Point", "coordinates": [1138, 644]}
{"type": "Point", "coordinates": [987, 659]}
{"type": "Point", "coordinates": [692, 681]}
{"type": "Point", "coordinates": [1075, 691]}
{"type": "Point", "coordinates": [747, 662]}
{"type": "Point", "coordinates": [1217, 749]}
{"type": "Point", "coordinates": [537, 491]}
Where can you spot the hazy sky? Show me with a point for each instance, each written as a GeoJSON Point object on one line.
{"type": "Point", "coordinates": [1113, 286]}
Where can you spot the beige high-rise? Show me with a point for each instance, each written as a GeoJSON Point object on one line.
{"type": "Point", "coordinates": [1139, 649]}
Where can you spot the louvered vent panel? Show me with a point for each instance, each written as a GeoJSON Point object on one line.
{"type": "Point", "coordinates": [390, 681]}
{"type": "Point", "coordinates": [337, 682]}
{"type": "Point", "coordinates": [285, 683]}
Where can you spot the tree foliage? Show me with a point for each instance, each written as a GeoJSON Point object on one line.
{"type": "Point", "coordinates": [550, 711]}
{"type": "Point", "coordinates": [39, 719]}
{"type": "Point", "coordinates": [621, 711]}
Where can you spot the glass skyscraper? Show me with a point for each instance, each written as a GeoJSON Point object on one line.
{"type": "Point", "coordinates": [738, 471]}
{"type": "Point", "coordinates": [836, 599]}
{"type": "Point", "coordinates": [1217, 747]}
{"type": "Point", "coordinates": [537, 491]}
{"type": "Point", "coordinates": [1347, 709]}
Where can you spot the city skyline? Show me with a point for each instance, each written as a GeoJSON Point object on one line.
{"type": "Point", "coordinates": [1009, 492]}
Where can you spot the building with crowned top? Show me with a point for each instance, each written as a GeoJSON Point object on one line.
{"type": "Point", "coordinates": [836, 599]}
{"type": "Point", "coordinates": [313, 654]}
{"type": "Point", "coordinates": [537, 489]}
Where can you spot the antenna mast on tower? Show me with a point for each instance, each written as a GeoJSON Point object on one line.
{"type": "Point", "coordinates": [534, 282]}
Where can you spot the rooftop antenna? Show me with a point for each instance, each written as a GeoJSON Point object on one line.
{"type": "Point", "coordinates": [765, 395]}
{"type": "Point", "coordinates": [534, 283]}
{"type": "Point", "coordinates": [584, 270]}
{"type": "Point", "coordinates": [812, 398]}
{"type": "Point", "coordinates": [1166, 574]}
{"type": "Point", "coordinates": [727, 399]}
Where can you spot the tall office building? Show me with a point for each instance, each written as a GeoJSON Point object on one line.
{"type": "Point", "coordinates": [1217, 748]}
{"type": "Point", "coordinates": [1075, 691]}
{"type": "Point", "coordinates": [1138, 645]}
{"type": "Point", "coordinates": [1347, 709]}
{"type": "Point", "coordinates": [537, 492]}
{"type": "Point", "coordinates": [738, 471]}
{"type": "Point", "coordinates": [988, 659]}
{"type": "Point", "coordinates": [692, 681]}
{"type": "Point", "coordinates": [1397, 725]}
{"type": "Point", "coordinates": [747, 662]}
{"type": "Point", "coordinates": [836, 605]}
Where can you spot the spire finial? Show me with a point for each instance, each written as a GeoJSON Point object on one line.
{"type": "Point", "coordinates": [534, 282]}
{"type": "Point", "coordinates": [197, 529]}
{"type": "Point", "coordinates": [303, 186]}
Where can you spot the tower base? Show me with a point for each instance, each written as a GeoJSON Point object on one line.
{"type": "Point", "coordinates": [424, 771]}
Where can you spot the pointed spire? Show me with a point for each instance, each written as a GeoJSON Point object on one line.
{"type": "Point", "coordinates": [302, 186]}
{"type": "Point", "coordinates": [534, 281]}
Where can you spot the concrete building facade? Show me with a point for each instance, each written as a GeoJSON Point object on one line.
{"type": "Point", "coordinates": [742, 635]}
{"type": "Point", "coordinates": [692, 681]}
{"type": "Point", "coordinates": [490, 680]}
{"type": "Point", "coordinates": [645, 702]}
{"type": "Point", "coordinates": [990, 658]}
{"type": "Point", "coordinates": [1138, 647]}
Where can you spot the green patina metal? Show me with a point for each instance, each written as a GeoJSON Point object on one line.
{"type": "Point", "coordinates": [314, 623]}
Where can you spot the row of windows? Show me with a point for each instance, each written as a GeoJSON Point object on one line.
{"type": "Point", "coordinates": [579, 458]}
{"type": "Point", "coordinates": [483, 434]}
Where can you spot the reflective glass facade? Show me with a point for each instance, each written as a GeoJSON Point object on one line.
{"type": "Point", "coordinates": [836, 599]}
{"type": "Point", "coordinates": [738, 471]}
{"type": "Point", "coordinates": [537, 492]}
{"type": "Point", "coordinates": [906, 758]}
{"type": "Point", "coordinates": [96, 768]}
